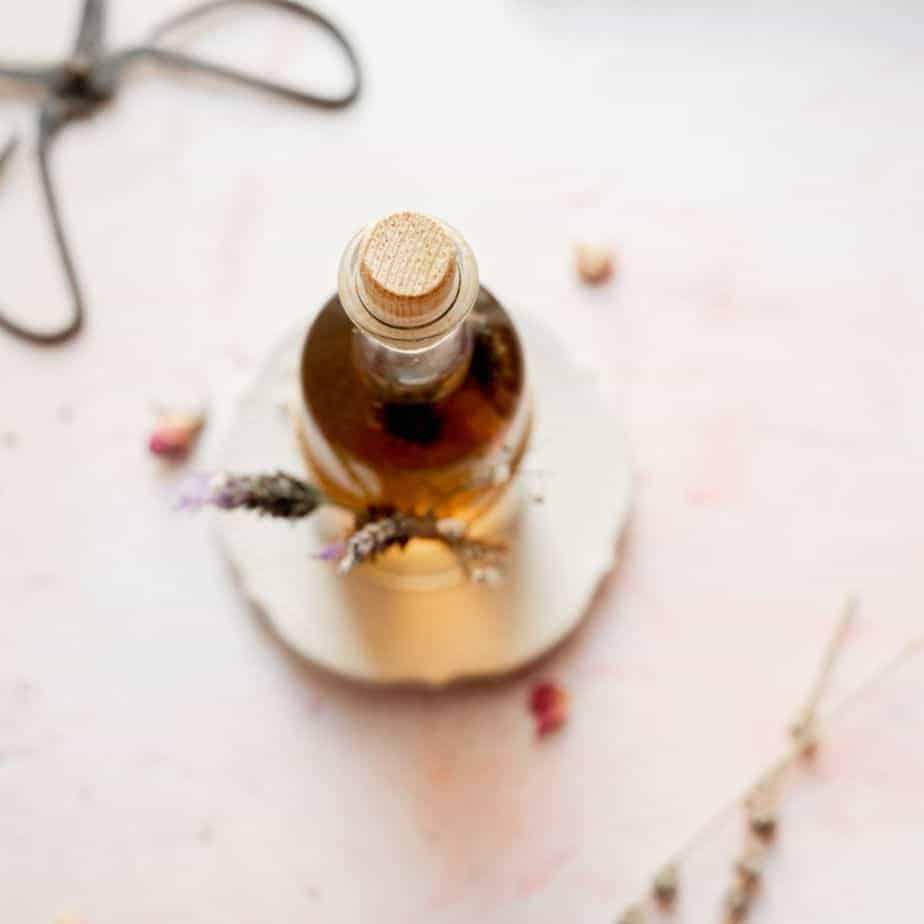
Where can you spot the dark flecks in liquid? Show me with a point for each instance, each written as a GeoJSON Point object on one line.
{"type": "Point", "coordinates": [497, 366]}
{"type": "Point", "coordinates": [413, 423]}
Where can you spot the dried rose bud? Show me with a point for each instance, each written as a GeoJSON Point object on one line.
{"type": "Point", "coordinates": [594, 264]}
{"type": "Point", "coordinates": [175, 435]}
{"type": "Point", "coordinates": [664, 887]}
{"type": "Point", "coordinates": [548, 703]}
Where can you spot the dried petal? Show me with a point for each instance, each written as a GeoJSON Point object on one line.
{"type": "Point", "coordinates": [594, 264]}
{"type": "Point", "coordinates": [548, 703]}
{"type": "Point", "coordinates": [175, 435]}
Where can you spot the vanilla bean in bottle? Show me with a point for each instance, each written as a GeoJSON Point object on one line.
{"type": "Point", "coordinates": [413, 380]}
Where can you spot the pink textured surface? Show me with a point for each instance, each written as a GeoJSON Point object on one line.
{"type": "Point", "coordinates": [162, 758]}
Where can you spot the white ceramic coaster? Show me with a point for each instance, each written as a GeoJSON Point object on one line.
{"type": "Point", "coordinates": [563, 547]}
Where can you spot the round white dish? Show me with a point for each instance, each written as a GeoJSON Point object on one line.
{"type": "Point", "coordinates": [576, 484]}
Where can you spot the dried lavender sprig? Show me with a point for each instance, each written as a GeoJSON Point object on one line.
{"type": "Point", "coordinates": [276, 495]}
{"type": "Point", "coordinates": [373, 538]}
{"type": "Point", "coordinates": [381, 529]}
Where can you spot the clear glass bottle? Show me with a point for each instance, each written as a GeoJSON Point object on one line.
{"type": "Point", "coordinates": [414, 387]}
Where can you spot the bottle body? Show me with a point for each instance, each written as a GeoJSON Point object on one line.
{"type": "Point", "coordinates": [414, 397]}
{"type": "Point", "coordinates": [447, 446]}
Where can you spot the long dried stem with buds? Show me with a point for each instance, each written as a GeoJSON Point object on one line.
{"type": "Point", "coordinates": [760, 800]}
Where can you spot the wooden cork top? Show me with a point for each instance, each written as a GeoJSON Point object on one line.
{"type": "Point", "coordinates": [407, 264]}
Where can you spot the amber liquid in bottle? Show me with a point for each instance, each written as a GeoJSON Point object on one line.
{"type": "Point", "coordinates": [449, 455]}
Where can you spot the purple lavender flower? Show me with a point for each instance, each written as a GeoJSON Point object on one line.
{"type": "Point", "coordinates": [278, 495]}
{"type": "Point", "coordinates": [332, 552]}
{"type": "Point", "coordinates": [230, 492]}
{"type": "Point", "coordinates": [196, 491]}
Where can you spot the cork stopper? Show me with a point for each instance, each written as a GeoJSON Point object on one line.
{"type": "Point", "coordinates": [408, 270]}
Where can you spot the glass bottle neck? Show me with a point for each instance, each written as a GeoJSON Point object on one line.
{"type": "Point", "coordinates": [414, 376]}
{"type": "Point", "coordinates": [414, 363]}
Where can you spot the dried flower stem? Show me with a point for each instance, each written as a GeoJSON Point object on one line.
{"type": "Point", "coordinates": [777, 769]}
{"type": "Point", "coordinates": [792, 754]}
{"type": "Point", "coordinates": [803, 729]}
{"type": "Point", "coordinates": [747, 870]}
{"type": "Point", "coordinates": [761, 800]}
{"type": "Point", "coordinates": [738, 898]}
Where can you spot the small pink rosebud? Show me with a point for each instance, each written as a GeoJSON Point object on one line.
{"type": "Point", "coordinates": [175, 434]}
{"type": "Point", "coordinates": [594, 264]}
